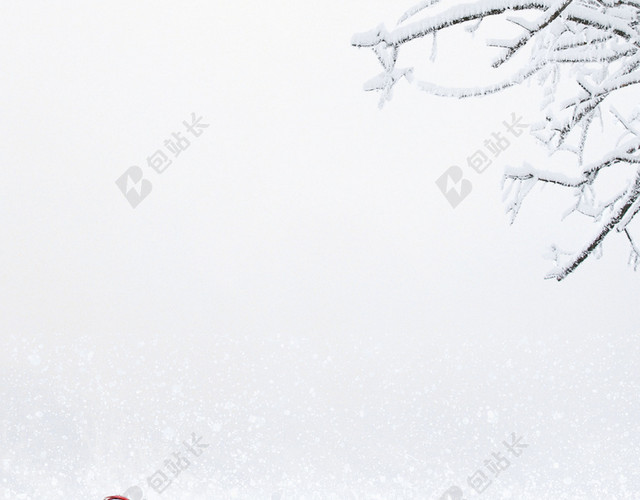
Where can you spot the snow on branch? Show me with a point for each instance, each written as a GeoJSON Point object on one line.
{"type": "Point", "coordinates": [575, 260]}
{"type": "Point", "coordinates": [592, 44]}
{"type": "Point", "coordinates": [549, 16]}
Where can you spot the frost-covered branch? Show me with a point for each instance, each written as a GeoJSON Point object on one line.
{"type": "Point", "coordinates": [575, 260]}
{"type": "Point", "coordinates": [592, 44]}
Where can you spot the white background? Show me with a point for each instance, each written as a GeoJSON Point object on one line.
{"type": "Point", "coordinates": [295, 289]}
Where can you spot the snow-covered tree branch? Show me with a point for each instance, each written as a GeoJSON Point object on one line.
{"type": "Point", "coordinates": [590, 45]}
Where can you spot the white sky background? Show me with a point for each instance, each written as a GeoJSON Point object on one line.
{"type": "Point", "coordinates": [295, 288]}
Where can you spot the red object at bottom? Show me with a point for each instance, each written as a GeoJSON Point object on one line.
{"type": "Point", "coordinates": [116, 498]}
